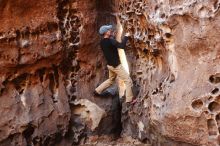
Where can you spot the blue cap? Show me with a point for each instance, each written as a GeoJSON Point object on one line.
{"type": "Point", "coordinates": [103, 29]}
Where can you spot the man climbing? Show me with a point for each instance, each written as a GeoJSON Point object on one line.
{"type": "Point", "coordinates": [110, 47]}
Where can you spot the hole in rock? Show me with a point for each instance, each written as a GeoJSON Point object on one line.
{"type": "Point", "coordinates": [215, 91]}
{"type": "Point", "coordinates": [210, 98]}
{"type": "Point", "coordinates": [163, 15]}
{"type": "Point", "coordinates": [197, 104]}
{"type": "Point", "coordinates": [26, 32]}
{"type": "Point", "coordinates": [172, 78]}
{"type": "Point", "coordinates": [18, 34]}
{"type": "Point", "coordinates": [20, 82]}
{"type": "Point", "coordinates": [156, 7]}
{"type": "Point", "coordinates": [52, 86]}
{"type": "Point", "coordinates": [212, 128]}
{"type": "Point", "coordinates": [145, 51]}
{"type": "Point", "coordinates": [216, 4]}
{"type": "Point", "coordinates": [215, 79]}
{"type": "Point", "coordinates": [1, 91]}
{"type": "Point", "coordinates": [160, 86]}
{"type": "Point", "coordinates": [73, 97]}
{"type": "Point", "coordinates": [206, 112]}
{"type": "Point", "coordinates": [214, 107]}
{"type": "Point", "coordinates": [217, 118]}
{"type": "Point", "coordinates": [168, 35]}
{"type": "Point", "coordinates": [52, 82]}
{"type": "Point", "coordinates": [155, 91]}
{"type": "Point", "coordinates": [27, 134]}
{"type": "Point", "coordinates": [56, 75]}
{"type": "Point", "coordinates": [155, 52]}
{"type": "Point", "coordinates": [41, 73]}
{"type": "Point", "coordinates": [21, 91]}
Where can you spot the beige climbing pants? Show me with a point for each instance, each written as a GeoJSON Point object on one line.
{"type": "Point", "coordinates": [123, 75]}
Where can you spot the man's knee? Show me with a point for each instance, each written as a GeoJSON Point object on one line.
{"type": "Point", "coordinates": [111, 80]}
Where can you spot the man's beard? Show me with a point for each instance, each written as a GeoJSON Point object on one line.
{"type": "Point", "coordinates": [112, 36]}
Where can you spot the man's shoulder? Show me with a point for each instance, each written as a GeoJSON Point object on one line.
{"type": "Point", "coordinates": [112, 40]}
{"type": "Point", "coordinates": [106, 41]}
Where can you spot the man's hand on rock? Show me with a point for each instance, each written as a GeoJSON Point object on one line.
{"type": "Point", "coordinates": [127, 34]}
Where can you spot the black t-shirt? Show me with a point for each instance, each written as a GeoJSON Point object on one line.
{"type": "Point", "coordinates": [110, 49]}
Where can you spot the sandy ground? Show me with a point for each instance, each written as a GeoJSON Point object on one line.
{"type": "Point", "coordinates": [109, 141]}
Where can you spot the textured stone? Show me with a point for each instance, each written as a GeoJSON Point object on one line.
{"type": "Point", "coordinates": [49, 59]}
{"type": "Point", "coordinates": [175, 62]}
{"type": "Point", "coordinates": [50, 63]}
{"type": "Point", "coordinates": [90, 112]}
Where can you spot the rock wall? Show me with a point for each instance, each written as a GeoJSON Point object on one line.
{"type": "Point", "coordinates": [50, 63]}
{"type": "Point", "coordinates": [174, 59]}
{"type": "Point", "coordinates": [34, 104]}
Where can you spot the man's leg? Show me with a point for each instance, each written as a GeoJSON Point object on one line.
{"type": "Point", "coordinates": [106, 83]}
{"type": "Point", "coordinates": [123, 75]}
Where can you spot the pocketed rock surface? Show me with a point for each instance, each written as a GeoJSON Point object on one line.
{"type": "Point", "coordinates": [175, 57]}
{"type": "Point", "coordinates": [50, 64]}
